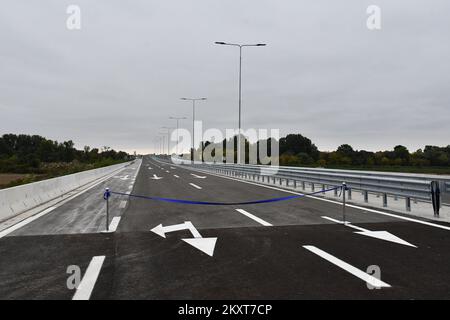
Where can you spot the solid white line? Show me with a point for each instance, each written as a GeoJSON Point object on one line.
{"type": "Point", "coordinates": [86, 285]}
{"type": "Point", "coordinates": [123, 204]}
{"type": "Point", "coordinates": [195, 186]}
{"type": "Point", "coordinates": [176, 176]}
{"type": "Point", "coordinates": [337, 203]}
{"type": "Point", "coordinates": [377, 283]}
{"type": "Point", "coordinates": [114, 224]}
{"type": "Point", "coordinates": [25, 222]}
{"type": "Point", "coordinates": [251, 216]}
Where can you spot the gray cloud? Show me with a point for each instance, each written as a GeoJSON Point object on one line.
{"type": "Point", "coordinates": [323, 74]}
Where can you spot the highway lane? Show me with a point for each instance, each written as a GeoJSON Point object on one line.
{"type": "Point", "coordinates": [256, 262]}
{"type": "Point", "coordinates": [251, 260]}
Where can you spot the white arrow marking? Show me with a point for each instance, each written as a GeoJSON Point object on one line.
{"type": "Point", "coordinates": [382, 235]}
{"type": "Point", "coordinates": [125, 178]}
{"type": "Point", "coordinates": [377, 283]}
{"type": "Point", "coordinates": [187, 225]}
{"type": "Point", "coordinates": [205, 245]}
{"type": "Point", "coordinates": [198, 177]}
{"type": "Point", "coordinates": [176, 176]}
{"type": "Point", "coordinates": [155, 177]}
{"type": "Point", "coordinates": [161, 231]}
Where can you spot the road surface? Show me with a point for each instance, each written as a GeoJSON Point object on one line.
{"type": "Point", "coordinates": [294, 249]}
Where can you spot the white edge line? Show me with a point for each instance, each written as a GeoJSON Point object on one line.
{"type": "Point", "coordinates": [338, 203]}
{"type": "Point", "coordinates": [253, 217]}
{"type": "Point", "coordinates": [87, 284]}
{"type": "Point", "coordinates": [25, 222]}
{"type": "Point", "coordinates": [195, 186]}
{"type": "Point", "coordinates": [349, 268]}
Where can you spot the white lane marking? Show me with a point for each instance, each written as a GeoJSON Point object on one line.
{"type": "Point", "coordinates": [251, 216]}
{"type": "Point", "coordinates": [87, 284]}
{"type": "Point", "coordinates": [176, 176]}
{"type": "Point", "coordinates": [130, 187]}
{"type": "Point", "coordinates": [377, 283]}
{"type": "Point", "coordinates": [167, 171]}
{"type": "Point", "coordinates": [114, 224]}
{"type": "Point", "coordinates": [25, 222]}
{"type": "Point", "coordinates": [195, 186]}
{"type": "Point", "coordinates": [123, 204]}
{"type": "Point", "coordinates": [173, 168]}
{"type": "Point", "coordinates": [198, 177]}
{"type": "Point", "coordinates": [155, 177]}
{"type": "Point", "coordinates": [338, 203]}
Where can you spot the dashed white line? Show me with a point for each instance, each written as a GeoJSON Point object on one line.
{"type": "Point", "coordinates": [195, 186]}
{"type": "Point", "coordinates": [377, 283]}
{"type": "Point", "coordinates": [123, 204]}
{"type": "Point", "coordinates": [176, 176]}
{"type": "Point", "coordinates": [114, 224]}
{"type": "Point", "coordinates": [251, 216]}
{"type": "Point", "coordinates": [86, 285]}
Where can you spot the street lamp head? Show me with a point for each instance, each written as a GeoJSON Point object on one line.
{"type": "Point", "coordinates": [219, 42]}
{"type": "Point", "coordinates": [261, 45]}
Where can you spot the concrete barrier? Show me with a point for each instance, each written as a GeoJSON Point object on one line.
{"type": "Point", "coordinates": [16, 200]}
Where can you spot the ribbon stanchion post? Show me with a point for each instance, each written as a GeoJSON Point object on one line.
{"type": "Point", "coordinates": [344, 188]}
{"type": "Point", "coordinates": [106, 197]}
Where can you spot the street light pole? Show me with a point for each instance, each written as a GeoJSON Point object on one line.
{"type": "Point", "coordinates": [168, 138]}
{"type": "Point", "coordinates": [240, 87]}
{"type": "Point", "coordinates": [193, 122]}
{"type": "Point", "coordinates": [178, 135]}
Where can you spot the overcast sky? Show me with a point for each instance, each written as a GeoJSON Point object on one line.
{"type": "Point", "coordinates": [323, 74]}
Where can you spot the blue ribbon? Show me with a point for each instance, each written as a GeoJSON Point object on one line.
{"type": "Point", "coordinates": [208, 203]}
{"type": "Point", "coordinates": [106, 195]}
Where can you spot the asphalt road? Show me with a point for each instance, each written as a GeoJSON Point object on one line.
{"type": "Point", "coordinates": [294, 249]}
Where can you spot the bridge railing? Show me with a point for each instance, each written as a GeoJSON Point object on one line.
{"type": "Point", "coordinates": [409, 187]}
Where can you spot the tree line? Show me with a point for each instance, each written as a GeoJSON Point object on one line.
{"type": "Point", "coordinates": [297, 150]}
{"type": "Point", "coordinates": [35, 154]}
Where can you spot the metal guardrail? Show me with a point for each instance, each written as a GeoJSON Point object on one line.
{"type": "Point", "coordinates": [409, 187]}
